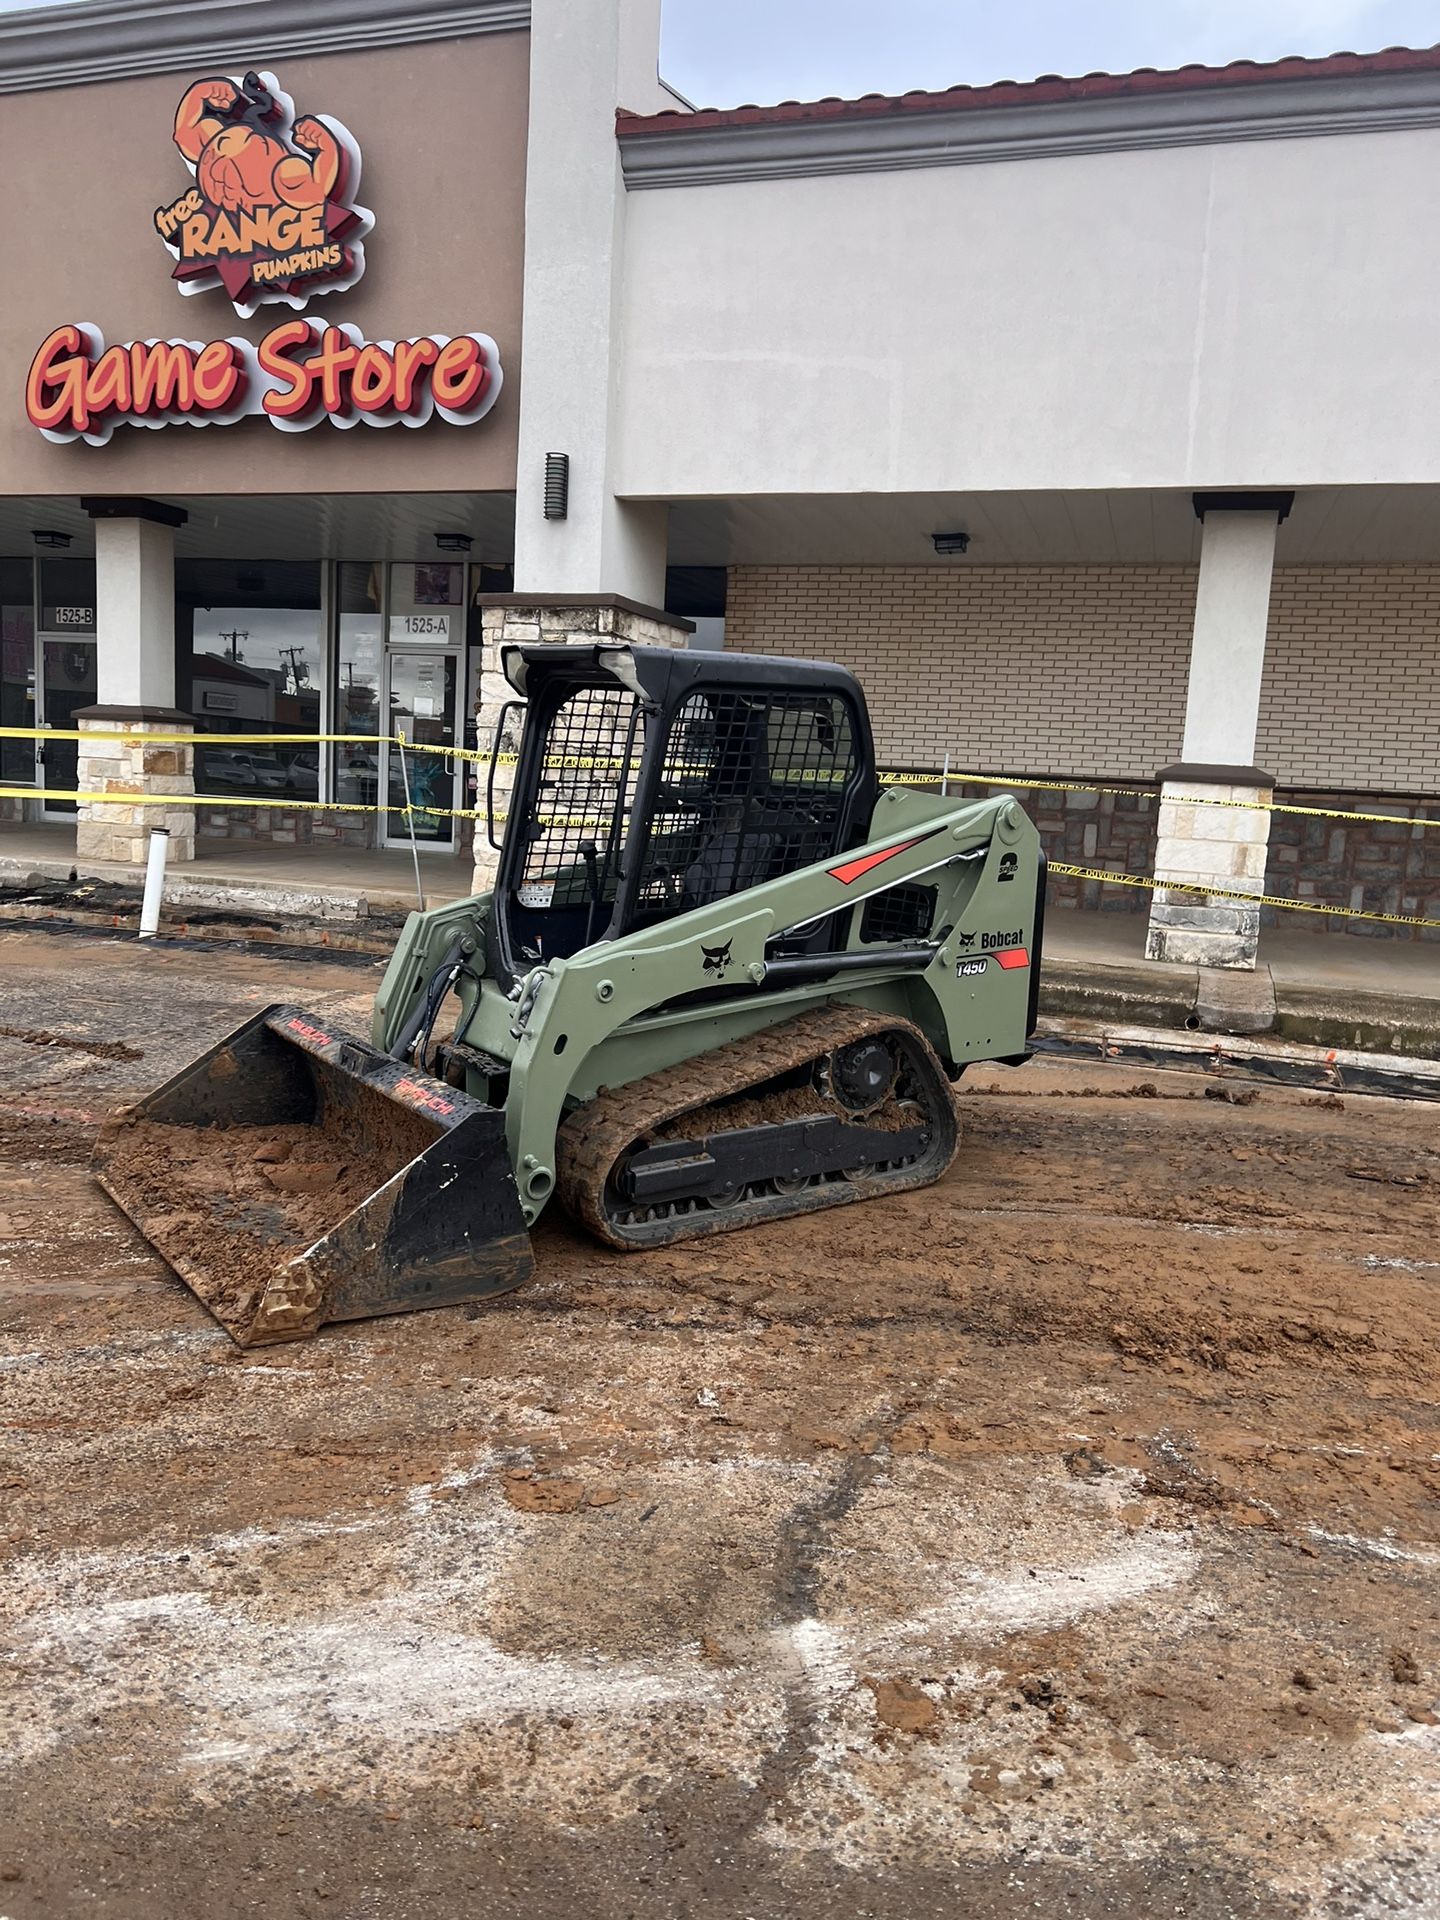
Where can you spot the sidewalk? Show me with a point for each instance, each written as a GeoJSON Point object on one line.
{"type": "Point", "coordinates": [327, 883]}
{"type": "Point", "coordinates": [1322, 988]}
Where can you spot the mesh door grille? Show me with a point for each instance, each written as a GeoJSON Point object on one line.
{"type": "Point", "coordinates": [752, 787]}
{"type": "Point", "coordinates": [587, 787]}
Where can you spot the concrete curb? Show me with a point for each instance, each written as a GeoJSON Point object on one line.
{"type": "Point", "coordinates": [1147, 993]}
{"type": "Point", "coordinates": [199, 888]}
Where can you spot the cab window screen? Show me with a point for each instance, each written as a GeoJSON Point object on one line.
{"type": "Point", "coordinates": [587, 787]}
{"type": "Point", "coordinates": [752, 787]}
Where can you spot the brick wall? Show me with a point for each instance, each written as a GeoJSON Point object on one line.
{"type": "Point", "coordinates": [1082, 670]}
{"type": "Point", "coordinates": [1079, 673]}
{"type": "Point", "coordinates": [1352, 679]}
{"type": "Point", "coordinates": [1030, 669]}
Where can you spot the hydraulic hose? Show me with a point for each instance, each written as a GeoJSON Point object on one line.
{"type": "Point", "coordinates": [423, 1015]}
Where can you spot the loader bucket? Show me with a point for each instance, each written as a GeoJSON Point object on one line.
{"type": "Point", "coordinates": [294, 1175]}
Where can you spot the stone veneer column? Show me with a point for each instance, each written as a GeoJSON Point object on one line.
{"type": "Point", "coordinates": [135, 682]}
{"type": "Point", "coordinates": [509, 619]}
{"type": "Point", "coordinates": [1208, 833]}
{"type": "Point", "coordinates": [1214, 825]}
{"type": "Point", "coordinates": [115, 830]}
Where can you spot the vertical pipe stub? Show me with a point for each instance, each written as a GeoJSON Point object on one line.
{"type": "Point", "coordinates": [159, 847]}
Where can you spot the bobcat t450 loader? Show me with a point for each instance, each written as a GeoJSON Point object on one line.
{"type": "Point", "coordinates": [722, 979]}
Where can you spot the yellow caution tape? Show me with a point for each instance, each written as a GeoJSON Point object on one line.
{"type": "Point", "coordinates": [1153, 793]}
{"type": "Point", "coordinates": [1247, 899]}
{"type": "Point", "coordinates": [889, 776]}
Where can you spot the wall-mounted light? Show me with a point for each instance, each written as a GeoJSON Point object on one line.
{"type": "Point", "coordinates": [47, 537]}
{"type": "Point", "coordinates": [557, 485]}
{"type": "Point", "coordinates": [454, 542]}
{"type": "Point", "coordinates": [950, 542]}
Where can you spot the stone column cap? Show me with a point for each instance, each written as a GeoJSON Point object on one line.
{"type": "Point", "coordinates": [133, 716]}
{"type": "Point", "coordinates": [1210, 773]}
{"type": "Point", "coordinates": [616, 601]}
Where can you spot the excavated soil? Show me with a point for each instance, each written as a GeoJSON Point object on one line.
{"type": "Point", "coordinates": [234, 1205]}
{"type": "Point", "coordinates": [1061, 1538]}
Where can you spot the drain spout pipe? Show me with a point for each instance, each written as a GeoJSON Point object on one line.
{"type": "Point", "coordinates": [154, 882]}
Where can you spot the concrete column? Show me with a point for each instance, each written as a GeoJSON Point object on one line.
{"type": "Point", "coordinates": [1214, 822]}
{"type": "Point", "coordinates": [520, 620]}
{"type": "Point", "coordinates": [135, 684]}
{"type": "Point", "coordinates": [585, 61]}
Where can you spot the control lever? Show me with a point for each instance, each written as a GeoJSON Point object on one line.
{"type": "Point", "coordinates": [590, 854]}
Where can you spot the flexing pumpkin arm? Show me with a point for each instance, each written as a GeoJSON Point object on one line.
{"type": "Point", "coordinates": [196, 124]}
{"type": "Point", "coordinates": [302, 182]}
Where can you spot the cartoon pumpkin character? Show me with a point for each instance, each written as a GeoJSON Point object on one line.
{"type": "Point", "coordinates": [231, 138]}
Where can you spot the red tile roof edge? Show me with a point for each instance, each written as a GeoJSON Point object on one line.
{"type": "Point", "coordinates": [1049, 89]}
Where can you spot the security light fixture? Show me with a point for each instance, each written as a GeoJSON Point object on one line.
{"type": "Point", "coordinates": [454, 542]}
{"type": "Point", "coordinates": [47, 537]}
{"type": "Point", "coordinates": [557, 485]}
{"type": "Point", "coordinates": [950, 542]}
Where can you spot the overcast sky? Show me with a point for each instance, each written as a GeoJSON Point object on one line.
{"type": "Point", "coordinates": [727, 52]}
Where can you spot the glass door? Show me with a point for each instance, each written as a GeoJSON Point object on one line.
{"type": "Point", "coordinates": [66, 663]}
{"type": "Point", "coordinates": [421, 697]}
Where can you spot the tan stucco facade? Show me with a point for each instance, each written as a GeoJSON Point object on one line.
{"type": "Point", "coordinates": [441, 127]}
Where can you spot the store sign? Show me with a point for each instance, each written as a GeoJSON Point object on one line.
{"type": "Point", "coordinates": [300, 373]}
{"type": "Point", "coordinates": [271, 215]}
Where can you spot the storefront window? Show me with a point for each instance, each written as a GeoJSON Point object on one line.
{"type": "Point", "coordinates": [357, 690]}
{"type": "Point", "coordinates": [251, 659]}
{"type": "Point", "coordinates": [68, 676]}
{"type": "Point", "coordinates": [17, 668]}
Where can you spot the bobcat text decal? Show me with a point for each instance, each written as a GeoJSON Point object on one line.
{"type": "Point", "coordinates": [271, 215]}
{"type": "Point", "coordinates": [298, 374]}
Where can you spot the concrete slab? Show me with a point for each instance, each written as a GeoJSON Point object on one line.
{"type": "Point", "coordinates": [1234, 1000]}
{"type": "Point", "coordinates": [314, 882]}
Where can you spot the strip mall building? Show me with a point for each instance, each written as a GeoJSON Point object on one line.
{"type": "Point", "coordinates": [445, 324]}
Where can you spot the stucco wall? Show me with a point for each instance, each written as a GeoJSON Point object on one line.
{"type": "Point", "coordinates": [441, 127]}
{"type": "Point", "coordinates": [1082, 670]}
{"type": "Point", "coordinates": [1258, 314]}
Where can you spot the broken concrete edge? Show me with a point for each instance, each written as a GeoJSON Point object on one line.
{"type": "Point", "coordinates": [1229, 1001]}
{"type": "Point", "coordinates": [1284, 1064]}
{"type": "Point", "coordinates": [212, 891]}
{"type": "Point", "coordinates": [1168, 997]}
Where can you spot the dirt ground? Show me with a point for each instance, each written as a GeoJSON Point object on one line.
{"type": "Point", "coordinates": [1062, 1539]}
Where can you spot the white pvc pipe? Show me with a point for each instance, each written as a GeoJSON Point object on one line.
{"type": "Point", "coordinates": [154, 882]}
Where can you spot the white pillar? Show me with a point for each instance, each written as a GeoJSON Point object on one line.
{"type": "Point", "coordinates": [135, 688]}
{"type": "Point", "coordinates": [134, 613]}
{"type": "Point", "coordinates": [1227, 653]}
{"type": "Point", "coordinates": [585, 61]}
{"type": "Point", "coordinates": [1214, 823]}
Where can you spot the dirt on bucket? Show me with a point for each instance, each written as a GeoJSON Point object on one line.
{"type": "Point", "coordinates": [230, 1206]}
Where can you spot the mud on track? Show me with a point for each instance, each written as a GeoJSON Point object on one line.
{"type": "Point", "coordinates": [1064, 1537]}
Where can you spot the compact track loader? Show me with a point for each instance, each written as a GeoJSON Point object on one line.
{"type": "Point", "coordinates": [722, 979]}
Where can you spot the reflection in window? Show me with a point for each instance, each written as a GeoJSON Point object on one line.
{"type": "Point", "coordinates": [254, 663]}
{"type": "Point", "coordinates": [17, 669]}
{"type": "Point", "coordinates": [357, 690]}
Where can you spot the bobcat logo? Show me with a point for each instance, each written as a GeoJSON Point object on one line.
{"type": "Point", "coordinates": [967, 939]}
{"type": "Point", "coordinates": [716, 959]}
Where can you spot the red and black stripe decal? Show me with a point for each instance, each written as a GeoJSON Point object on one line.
{"type": "Point", "coordinates": [1010, 957]}
{"type": "Point", "coordinates": [852, 870]}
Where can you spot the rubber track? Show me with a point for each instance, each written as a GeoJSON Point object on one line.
{"type": "Point", "coordinates": [593, 1139]}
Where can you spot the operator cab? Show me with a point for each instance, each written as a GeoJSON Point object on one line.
{"type": "Point", "coordinates": [650, 782]}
